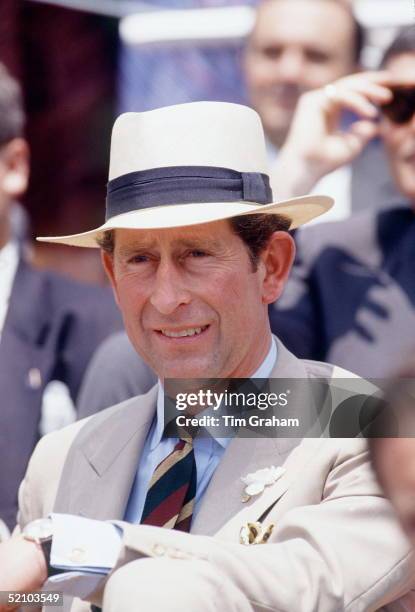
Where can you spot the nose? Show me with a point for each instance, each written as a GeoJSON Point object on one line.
{"type": "Point", "coordinates": [169, 291]}
{"type": "Point", "coordinates": [291, 66]}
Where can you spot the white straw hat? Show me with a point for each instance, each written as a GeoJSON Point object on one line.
{"type": "Point", "coordinates": [188, 164]}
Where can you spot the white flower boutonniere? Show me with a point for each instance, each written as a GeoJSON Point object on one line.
{"type": "Point", "coordinates": [256, 482]}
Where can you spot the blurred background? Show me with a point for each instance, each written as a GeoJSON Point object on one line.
{"type": "Point", "coordinates": [81, 62]}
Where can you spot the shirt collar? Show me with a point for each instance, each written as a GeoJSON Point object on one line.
{"type": "Point", "coordinates": [272, 152]}
{"type": "Point", "coordinates": [9, 254]}
{"type": "Point", "coordinates": [268, 364]}
{"type": "Point", "coordinates": [264, 371]}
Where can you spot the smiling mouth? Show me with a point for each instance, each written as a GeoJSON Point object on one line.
{"type": "Point", "coordinates": [183, 333]}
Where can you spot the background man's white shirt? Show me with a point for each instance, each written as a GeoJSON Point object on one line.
{"type": "Point", "coordinates": [57, 407]}
{"type": "Point", "coordinates": [9, 260]}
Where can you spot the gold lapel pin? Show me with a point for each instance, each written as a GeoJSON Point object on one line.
{"type": "Point", "coordinates": [253, 533]}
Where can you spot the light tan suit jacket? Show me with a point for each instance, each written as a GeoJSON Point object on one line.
{"type": "Point", "coordinates": [335, 546]}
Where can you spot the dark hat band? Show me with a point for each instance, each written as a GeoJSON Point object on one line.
{"type": "Point", "coordinates": [184, 185]}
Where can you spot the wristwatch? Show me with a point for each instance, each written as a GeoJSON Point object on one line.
{"type": "Point", "coordinates": [40, 531]}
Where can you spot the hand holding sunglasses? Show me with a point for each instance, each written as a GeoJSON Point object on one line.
{"type": "Point", "coordinates": [319, 141]}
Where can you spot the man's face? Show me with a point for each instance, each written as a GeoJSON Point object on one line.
{"type": "Point", "coordinates": [296, 45]}
{"type": "Point", "coordinates": [192, 305]}
{"type": "Point", "coordinates": [399, 139]}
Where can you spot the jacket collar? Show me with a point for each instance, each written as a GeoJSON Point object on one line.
{"type": "Point", "coordinates": [28, 288]}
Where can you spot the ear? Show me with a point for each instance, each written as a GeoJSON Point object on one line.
{"type": "Point", "coordinates": [15, 157]}
{"type": "Point", "coordinates": [108, 263]}
{"type": "Point", "coordinates": [277, 260]}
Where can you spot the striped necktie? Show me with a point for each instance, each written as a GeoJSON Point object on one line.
{"type": "Point", "coordinates": [171, 492]}
{"type": "Point", "coordinates": [172, 489]}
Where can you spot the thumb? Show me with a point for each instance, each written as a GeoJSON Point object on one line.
{"type": "Point", "coordinates": [359, 135]}
{"type": "Point", "coordinates": [365, 130]}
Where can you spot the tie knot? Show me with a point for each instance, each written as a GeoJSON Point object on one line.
{"type": "Point", "coordinates": [172, 430]}
{"type": "Point", "coordinates": [183, 442]}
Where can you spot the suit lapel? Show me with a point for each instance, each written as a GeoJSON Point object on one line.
{"type": "Point", "coordinates": [223, 497]}
{"type": "Point", "coordinates": [21, 344]}
{"type": "Point", "coordinates": [28, 288]}
{"type": "Point", "coordinates": [258, 507]}
{"type": "Point", "coordinates": [103, 460]}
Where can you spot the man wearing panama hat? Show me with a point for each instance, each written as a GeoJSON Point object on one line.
{"type": "Point", "coordinates": [196, 249]}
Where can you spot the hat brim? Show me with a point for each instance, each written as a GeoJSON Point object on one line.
{"type": "Point", "coordinates": [298, 210]}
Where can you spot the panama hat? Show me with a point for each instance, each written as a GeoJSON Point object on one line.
{"type": "Point", "coordinates": [188, 164]}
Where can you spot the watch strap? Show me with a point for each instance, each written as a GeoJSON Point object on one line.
{"type": "Point", "coordinates": [46, 546]}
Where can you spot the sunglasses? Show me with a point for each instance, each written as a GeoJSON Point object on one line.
{"type": "Point", "coordinates": [401, 108]}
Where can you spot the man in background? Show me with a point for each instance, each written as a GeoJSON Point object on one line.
{"type": "Point", "coordinates": [297, 46]}
{"type": "Point", "coordinates": [288, 55]}
{"type": "Point", "coordinates": [49, 325]}
{"type": "Point", "coordinates": [351, 298]}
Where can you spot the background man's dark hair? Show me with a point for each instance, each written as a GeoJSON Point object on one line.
{"type": "Point", "coordinates": [404, 42]}
{"type": "Point", "coordinates": [359, 40]}
{"type": "Point", "coordinates": [254, 230]}
{"type": "Point", "coordinates": [12, 117]}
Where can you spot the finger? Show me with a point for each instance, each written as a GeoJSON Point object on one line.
{"type": "Point", "coordinates": [378, 94]}
{"type": "Point", "coordinates": [373, 83]}
{"type": "Point", "coordinates": [355, 144]}
{"type": "Point", "coordinates": [405, 81]}
{"type": "Point", "coordinates": [356, 139]}
{"type": "Point", "coordinates": [384, 77]}
{"type": "Point", "coordinates": [367, 130]}
{"type": "Point", "coordinates": [352, 100]}
{"type": "Point", "coordinates": [375, 92]}
{"type": "Point", "coordinates": [381, 77]}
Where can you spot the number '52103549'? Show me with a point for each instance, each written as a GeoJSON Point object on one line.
{"type": "Point", "coordinates": [35, 598]}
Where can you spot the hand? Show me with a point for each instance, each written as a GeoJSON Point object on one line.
{"type": "Point", "coordinates": [315, 144]}
{"type": "Point", "coordinates": [22, 567]}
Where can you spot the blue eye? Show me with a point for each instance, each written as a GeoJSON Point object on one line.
{"type": "Point", "coordinates": [196, 253]}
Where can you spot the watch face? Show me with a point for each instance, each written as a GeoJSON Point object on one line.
{"type": "Point", "coordinates": [39, 530]}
